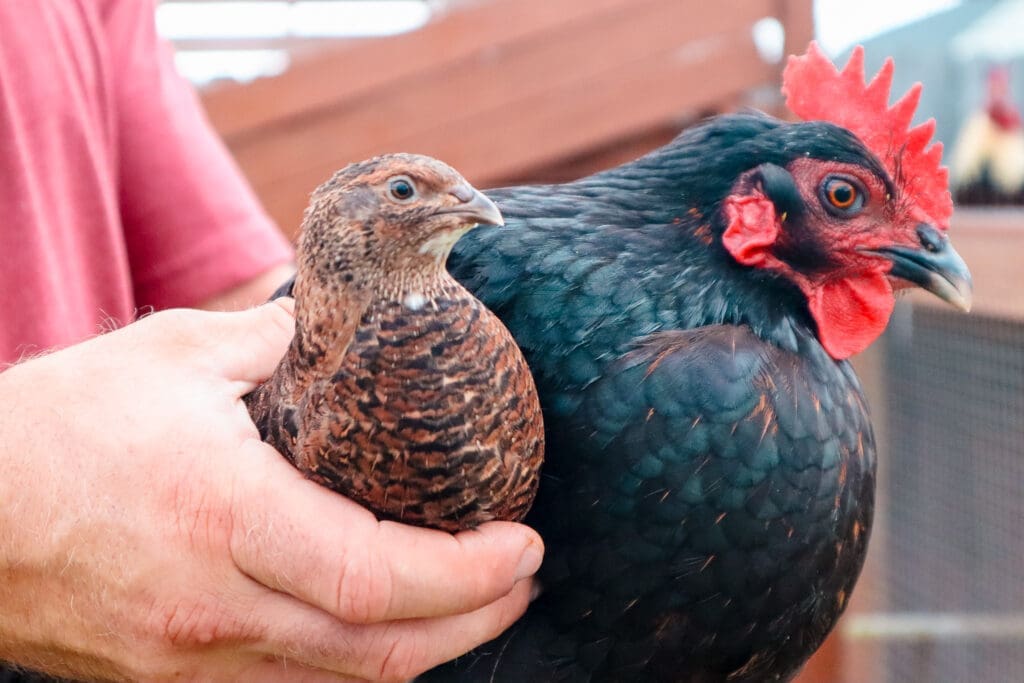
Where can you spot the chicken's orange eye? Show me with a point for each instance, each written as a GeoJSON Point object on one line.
{"type": "Point", "coordinates": [841, 196]}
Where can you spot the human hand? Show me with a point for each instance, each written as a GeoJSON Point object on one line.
{"type": "Point", "coordinates": [147, 534]}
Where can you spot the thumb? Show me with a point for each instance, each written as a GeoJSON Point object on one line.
{"type": "Point", "coordinates": [250, 344]}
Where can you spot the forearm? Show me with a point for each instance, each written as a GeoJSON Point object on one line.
{"type": "Point", "coordinates": [42, 551]}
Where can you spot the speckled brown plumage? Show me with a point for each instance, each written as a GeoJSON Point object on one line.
{"type": "Point", "coordinates": [400, 390]}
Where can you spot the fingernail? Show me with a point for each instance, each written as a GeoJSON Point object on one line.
{"type": "Point", "coordinates": [535, 590]}
{"type": "Point", "coordinates": [529, 563]}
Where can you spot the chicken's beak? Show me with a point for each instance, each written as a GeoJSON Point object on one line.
{"type": "Point", "coordinates": [935, 267]}
{"type": "Point", "coordinates": [475, 207]}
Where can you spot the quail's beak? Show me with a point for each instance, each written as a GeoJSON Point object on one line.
{"type": "Point", "coordinates": [935, 267]}
{"type": "Point", "coordinates": [475, 207]}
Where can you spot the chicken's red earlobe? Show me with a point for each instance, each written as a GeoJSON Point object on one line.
{"type": "Point", "coordinates": [752, 228]}
{"type": "Point", "coordinates": [851, 312]}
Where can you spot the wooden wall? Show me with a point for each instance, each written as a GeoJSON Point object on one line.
{"type": "Point", "coordinates": [502, 89]}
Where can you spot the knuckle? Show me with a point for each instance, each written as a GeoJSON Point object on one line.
{"type": "Point", "coordinates": [486, 587]}
{"type": "Point", "coordinates": [510, 608]}
{"type": "Point", "coordinates": [364, 588]}
{"type": "Point", "coordinates": [178, 321]}
{"type": "Point", "coordinates": [276, 328]}
{"type": "Point", "coordinates": [281, 318]}
{"type": "Point", "coordinates": [493, 579]}
{"type": "Point", "coordinates": [175, 328]}
{"type": "Point", "coordinates": [401, 659]}
{"type": "Point", "coordinates": [400, 664]}
{"type": "Point", "coordinates": [191, 623]}
{"type": "Point", "coordinates": [203, 519]}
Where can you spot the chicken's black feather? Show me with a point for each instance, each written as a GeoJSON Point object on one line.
{"type": "Point", "coordinates": [708, 490]}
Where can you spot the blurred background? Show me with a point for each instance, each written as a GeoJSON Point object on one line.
{"type": "Point", "coordinates": [547, 90]}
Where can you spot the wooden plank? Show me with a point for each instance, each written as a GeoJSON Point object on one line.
{"type": "Point", "coordinates": [358, 69]}
{"type": "Point", "coordinates": [637, 95]}
{"type": "Point", "coordinates": [289, 43]}
{"type": "Point", "coordinates": [614, 153]}
{"type": "Point", "coordinates": [825, 665]}
{"type": "Point", "coordinates": [470, 116]}
{"type": "Point", "coordinates": [544, 129]}
{"type": "Point", "coordinates": [491, 84]}
{"type": "Point", "coordinates": [860, 661]}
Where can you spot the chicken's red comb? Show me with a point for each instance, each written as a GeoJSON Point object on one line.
{"type": "Point", "coordinates": [816, 90]}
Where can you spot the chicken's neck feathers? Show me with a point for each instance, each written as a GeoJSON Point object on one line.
{"type": "Point", "coordinates": [331, 306]}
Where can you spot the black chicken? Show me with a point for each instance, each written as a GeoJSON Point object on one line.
{"type": "Point", "coordinates": [708, 493]}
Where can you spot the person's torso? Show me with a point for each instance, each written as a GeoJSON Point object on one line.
{"type": "Point", "coordinates": [63, 266]}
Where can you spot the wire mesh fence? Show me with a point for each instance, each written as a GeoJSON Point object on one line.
{"type": "Point", "coordinates": [947, 573]}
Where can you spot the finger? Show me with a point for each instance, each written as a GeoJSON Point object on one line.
{"type": "Point", "coordinates": [285, 302]}
{"type": "Point", "coordinates": [387, 651]}
{"type": "Point", "coordinates": [303, 539]}
{"type": "Point", "coordinates": [247, 346]}
{"type": "Point", "coordinates": [275, 670]}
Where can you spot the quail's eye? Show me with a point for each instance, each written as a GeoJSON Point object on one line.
{"type": "Point", "coordinates": [842, 196]}
{"type": "Point", "coordinates": [402, 189]}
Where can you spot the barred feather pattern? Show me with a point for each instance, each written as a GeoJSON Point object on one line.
{"type": "Point", "coordinates": [400, 390]}
{"type": "Point", "coordinates": [431, 418]}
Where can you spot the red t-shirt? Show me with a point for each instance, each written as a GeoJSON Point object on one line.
{"type": "Point", "coordinates": [115, 195]}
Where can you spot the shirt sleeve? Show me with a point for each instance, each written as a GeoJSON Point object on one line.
{"type": "Point", "coordinates": [193, 226]}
